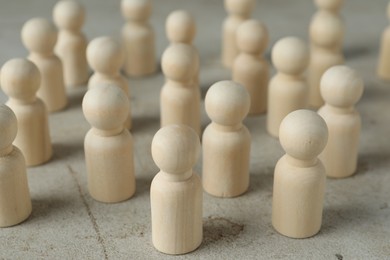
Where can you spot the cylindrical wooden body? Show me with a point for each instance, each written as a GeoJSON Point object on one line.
{"type": "Point", "coordinates": [229, 45]}
{"type": "Point", "coordinates": [384, 56]}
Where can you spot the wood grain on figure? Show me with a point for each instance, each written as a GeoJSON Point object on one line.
{"type": "Point", "coordinates": [250, 69]}
{"type": "Point", "coordinates": [15, 201]}
{"type": "Point", "coordinates": [71, 46]}
{"type": "Point", "coordinates": [20, 80]}
{"type": "Point", "coordinates": [176, 192]}
{"type": "Point", "coordinates": [108, 145]}
{"type": "Point", "coordinates": [383, 69]}
{"type": "Point", "coordinates": [288, 89]}
{"type": "Point", "coordinates": [299, 178]}
{"type": "Point", "coordinates": [180, 98]}
{"type": "Point", "coordinates": [226, 141]}
{"type": "Point", "coordinates": [138, 38]}
{"type": "Point", "coordinates": [238, 11]}
{"type": "Point", "coordinates": [106, 56]}
{"type": "Point", "coordinates": [39, 36]}
{"type": "Point", "coordinates": [341, 88]}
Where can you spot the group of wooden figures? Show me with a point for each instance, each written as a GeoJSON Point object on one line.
{"type": "Point", "coordinates": [36, 86]}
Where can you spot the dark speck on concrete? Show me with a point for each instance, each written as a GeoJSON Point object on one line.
{"type": "Point", "coordinates": [339, 257]}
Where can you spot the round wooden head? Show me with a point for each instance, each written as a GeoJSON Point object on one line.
{"type": "Point", "coordinates": [240, 7]}
{"type": "Point", "coordinates": [20, 79]}
{"type": "Point", "coordinates": [290, 55]}
{"type": "Point", "coordinates": [175, 149]}
{"type": "Point", "coordinates": [105, 55]}
{"type": "Point", "coordinates": [327, 31]}
{"type": "Point", "coordinates": [341, 86]}
{"type": "Point", "coordinates": [180, 27]}
{"type": "Point", "coordinates": [178, 62]}
{"type": "Point", "coordinates": [252, 37]}
{"type": "Point", "coordinates": [69, 15]}
{"type": "Point", "coordinates": [227, 103]}
{"type": "Point", "coordinates": [329, 5]}
{"type": "Point", "coordinates": [303, 134]}
{"type": "Point", "coordinates": [106, 107]}
{"type": "Point", "coordinates": [136, 10]}
{"type": "Point", "coordinates": [39, 35]}
{"type": "Point", "coordinates": [8, 127]}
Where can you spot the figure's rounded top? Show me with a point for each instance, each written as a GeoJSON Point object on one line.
{"type": "Point", "coordinates": [180, 27]}
{"type": "Point", "coordinates": [178, 62]}
{"type": "Point", "coordinates": [290, 55]}
{"type": "Point", "coordinates": [39, 35]}
{"type": "Point", "coordinates": [106, 107]}
{"type": "Point", "coordinates": [136, 10]}
{"type": "Point", "coordinates": [240, 7]}
{"type": "Point", "coordinates": [303, 134]}
{"type": "Point", "coordinates": [326, 31]}
{"type": "Point", "coordinates": [8, 127]}
{"type": "Point", "coordinates": [329, 5]}
{"type": "Point", "coordinates": [227, 103]}
{"type": "Point", "coordinates": [20, 79]}
{"type": "Point", "coordinates": [69, 15]}
{"type": "Point", "coordinates": [341, 86]}
{"type": "Point", "coordinates": [105, 55]}
{"type": "Point", "coordinates": [175, 149]}
{"type": "Point", "coordinates": [252, 37]}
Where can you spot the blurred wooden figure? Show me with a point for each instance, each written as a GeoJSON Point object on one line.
{"type": "Point", "coordinates": [341, 88]}
{"type": "Point", "coordinates": [39, 36]}
{"type": "Point", "coordinates": [176, 192]}
{"type": "Point", "coordinates": [299, 179]}
{"type": "Point", "coordinates": [20, 80]}
{"type": "Point", "coordinates": [383, 70]}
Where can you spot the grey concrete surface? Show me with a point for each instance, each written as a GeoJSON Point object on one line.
{"type": "Point", "coordinates": [66, 223]}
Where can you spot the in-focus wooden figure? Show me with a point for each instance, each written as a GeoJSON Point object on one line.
{"type": "Point", "coordinates": [238, 11]}
{"type": "Point", "coordinates": [383, 69]}
{"type": "Point", "coordinates": [138, 38]}
{"type": "Point", "coordinates": [176, 192]}
{"type": "Point", "coordinates": [106, 56]}
{"type": "Point", "coordinates": [15, 201]}
{"type": "Point", "coordinates": [299, 179]}
{"type": "Point", "coordinates": [20, 80]}
{"type": "Point", "coordinates": [250, 69]}
{"type": "Point", "coordinates": [39, 36]}
{"type": "Point", "coordinates": [108, 145]}
{"type": "Point", "coordinates": [341, 88]}
{"type": "Point", "coordinates": [226, 141]}
{"type": "Point", "coordinates": [69, 16]}
{"type": "Point", "coordinates": [180, 98]}
{"type": "Point", "coordinates": [288, 89]}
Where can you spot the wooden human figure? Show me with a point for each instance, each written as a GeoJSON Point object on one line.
{"type": "Point", "coordinates": [180, 98]}
{"type": "Point", "coordinates": [341, 88]}
{"type": "Point", "coordinates": [326, 36]}
{"type": "Point", "coordinates": [71, 46]}
{"type": "Point", "coordinates": [250, 69]}
{"type": "Point", "coordinates": [383, 69]}
{"type": "Point", "coordinates": [238, 11]}
{"type": "Point", "coordinates": [20, 80]}
{"type": "Point", "coordinates": [176, 191]}
{"type": "Point", "coordinates": [226, 141]}
{"type": "Point", "coordinates": [105, 55]}
{"type": "Point", "coordinates": [39, 36]}
{"type": "Point", "coordinates": [288, 90]}
{"type": "Point", "coordinates": [108, 145]}
{"type": "Point", "coordinates": [15, 202]}
{"type": "Point", "coordinates": [299, 179]}
{"type": "Point", "coordinates": [138, 37]}
{"type": "Point", "coordinates": [181, 28]}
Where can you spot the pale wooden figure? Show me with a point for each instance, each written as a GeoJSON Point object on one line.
{"type": "Point", "coordinates": [20, 80]}
{"type": "Point", "coordinates": [299, 179]}
{"type": "Point", "coordinates": [383, 69]}
{"type": "Point", "coordinates": [138, 37]}
{"type": "Point", "coordinates": [180, 98]}
{"type": "Point", "coordinates": [69, 16]}
{"type": "Point", "coordinates": [39, 36]}
{"type": "Point", "coordinates": [106, 56]}
{"type": "Point", "coordinates": [288, 89]}
{"type": "Point", "coordinates": [341, 88]}
{"type": "Point", "coordinates": [108, 145]}
{"type": "Point", "coordinates": [15, 201]}
{"type": "Point", "coordinates": [176, 195]}
{"type": "Point", "coordinates": [226, 141]}
{"type": "Point", "coordinates": [180, 27]}
{"type": "Point", "coordinates": [250, 69]}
